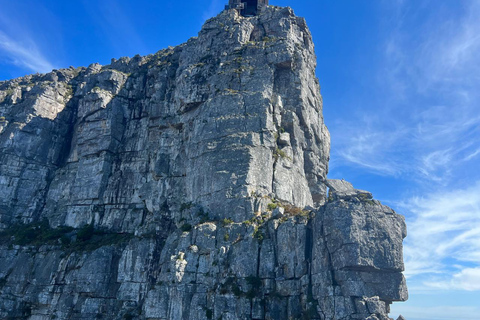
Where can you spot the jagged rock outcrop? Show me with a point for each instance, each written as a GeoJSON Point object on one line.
{"type": "Point", "coordinates": [189, 184]}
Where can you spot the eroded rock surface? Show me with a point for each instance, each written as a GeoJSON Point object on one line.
{"type": "Point", "coordinates": [201, 174]}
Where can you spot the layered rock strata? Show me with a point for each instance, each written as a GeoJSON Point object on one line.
{"type": "Point", "coordinates": [188, 184]}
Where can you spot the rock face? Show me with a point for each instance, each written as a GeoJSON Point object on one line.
{"type": "Point", "coordinates": [189, 184]}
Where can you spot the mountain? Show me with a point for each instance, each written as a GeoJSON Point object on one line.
{"type": "Point", "coordinates": [188, 184]}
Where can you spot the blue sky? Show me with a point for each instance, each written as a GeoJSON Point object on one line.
{"type": "Point", "coordinates": [400, 81]}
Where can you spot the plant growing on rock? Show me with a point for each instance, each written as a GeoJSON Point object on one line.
{"type": "Point", "coordinates": [186, 227]}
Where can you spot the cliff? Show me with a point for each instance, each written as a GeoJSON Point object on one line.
{"type": "Point", "coordinates": [188, 184]}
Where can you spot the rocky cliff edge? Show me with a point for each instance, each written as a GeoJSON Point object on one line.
{"type": "Point", "coordinates": [188, 184]}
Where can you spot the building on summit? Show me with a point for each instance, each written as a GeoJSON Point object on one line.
{"type": "Point", "coordinates": [247, 8]}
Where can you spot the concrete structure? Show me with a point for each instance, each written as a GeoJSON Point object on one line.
{"type": "Point", "coordinates": [247, 8]}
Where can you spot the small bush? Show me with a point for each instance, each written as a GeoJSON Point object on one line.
{"type": "Point", "coordinates": [26, 310]}
{"type": "Point", "coordinates": [255, 286]}
{"type": "Point", "coordinates": [365, 198]}
{"type": "Point", "coordinates": [236, 290]}
{"type": "Point", "coordinates": [186, 227]}
{"type": "Point", "coordinates": [209, 313]}
{"type": "Point", "coordinates": [272, 206]}
{"type": "Point", "coordinates": [231, 285]}
{"type": "Point", "coordinates": [226, 222]}
{"type": "Point", "coordinates": [330, 198]}
{"type": "Point", "coordinates": [248, 222]}
{"type": "Point", "coordinates": [254, 281]}
{"type": "Point", "coordinates": [3, 282]}
{"type": "Point", "coordinates": [128, 316]}
{"type": "Point", "coordinates": [204, 216]}
{"type": "Point", "coordinates": [269, 39]}
{"type": "Point", "coordinates": [278, 153]}
{"type": "Point", "coordinates": [85, 233]}
{"type": "Point", "coordinates": [294, 211]}
{"type": "Point", "coordinates": [258, 234]}
{"type": "Point", "coordinates": [40, 233]}
{"type": "Point", "coordinates": [185, 206]}
{"type": "Point", "coordinates": [64, 240]}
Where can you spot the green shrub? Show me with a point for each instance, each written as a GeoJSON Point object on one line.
{"type": "Point", "coordinates": [248, 222]}
{"type": "Point", "coordinates": [365, 198]}
{"type": "Point", "coordinates": [272, 206]}
{"type": "Point", "coordinates": [185, 206]}
{"type": "Point", "coordinates": [258, 234]}
{"type": "Point", "coordinates": [64, 240]}
{"type": "Point", "coordinates": [278, 153]}
{"type": "Point", "coordinates": [128, 316]}
{"type": "Point", "coordinates": [255, 286]}
{"type": "Point", "coordinates": [40, 233]}
{"type": "Point", "coordinates": [330, 197]}
{"type": "Point", "coordinates": [204, 216]}
{"type": "Point", "coordinates": [231, 285]}
{"type": "Point", "coordinates": [3, 282]}
{"type": "Point", "coordinates": [186, 227]}
{"type": "Point", "coordinates": [26, 310]}
{"type": "Point", "coordinates": [85, 233]}
{"type": "Point", "coordinates": [269, 39]}
{"type": "Point", "coordinates": [226, 222]}
{"type": "Point", "coordinates": [209, 313]}
{"type": "Point", "coordinates": [254, 281]}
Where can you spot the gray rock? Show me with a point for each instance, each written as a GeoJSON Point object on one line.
{"type": "Point", "coordinates": [278, 212]}
{"type": "Point", "coordinates": [174, 159]}
{"type": "Point", "coordinates": [340, 185]}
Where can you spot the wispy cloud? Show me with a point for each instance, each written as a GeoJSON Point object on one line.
{"type": "Point", "coordinates": [467, 279]}
{"type": "Point", "coordinates": [472, 155]}
{"type": "Point", "coordinates": [19, 44]}
{"type": "Point", "coordinates": [213, 9]}
{"type": "Point", "coordinates": [426, 130]}
{"type": "Point", "coordinates": [23, 54]}
{"type": "Point", "coordinates": [117, 26]}
{"type": "Point", "coordinates": [438, 312]}
{"type": "Point", "coordinates": [428, 124]}
{"type": "Point", "coordinates": [444, 238]}
{"type": "Point", "coordinates": [458, 53]}
{"type": "Point", "coordinates": [371, 148]}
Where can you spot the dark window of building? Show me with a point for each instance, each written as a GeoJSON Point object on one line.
{"type": "Point", "coordinates": [250, 7]}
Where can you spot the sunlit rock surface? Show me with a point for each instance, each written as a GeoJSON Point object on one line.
{"type": "Point", "coordinates": [188, 184]}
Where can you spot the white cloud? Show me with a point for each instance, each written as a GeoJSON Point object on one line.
{"type": "Point", "coordinates": [370, 149]}
{"type": "Point", "coordinates": [472, 155]}
{"type": "Point", "coordinates": [213, 9]}
{"type": "Point", "coordinates": [24, 54]}
{"type": "Point", "coordinates": [468, 279]}
{"type": "Point", "coordinates": [437, 312]}
{"type": "Point", "coordinates": [428, 125]}
{"type": "Point", "coordinates": [459, 51]}
{"type": "Point", "coordinates": [116, 24]}
{"type": "Point", "coordinates": [442, 227]}
{"type": "Point", "coordinates": [17, 44]}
